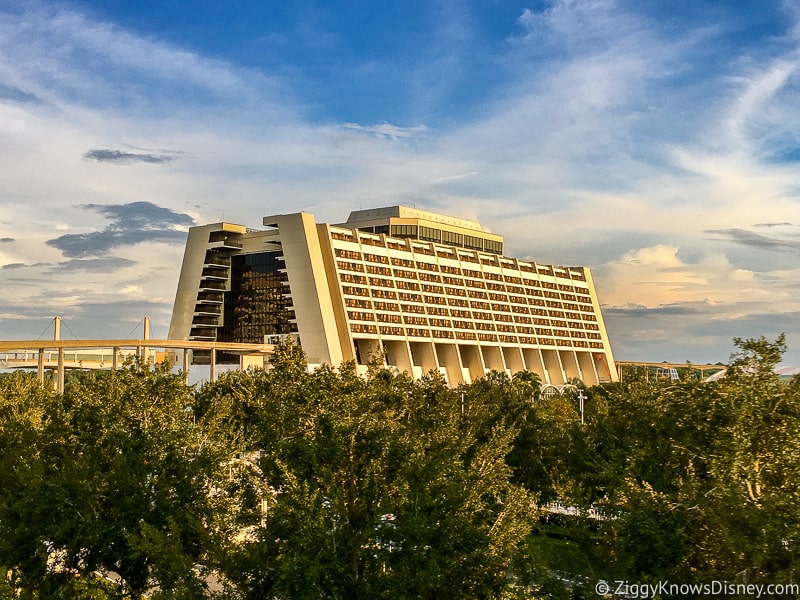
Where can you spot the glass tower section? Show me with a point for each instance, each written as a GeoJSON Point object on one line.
{"type": "Point", "coordinates": [256, 305]}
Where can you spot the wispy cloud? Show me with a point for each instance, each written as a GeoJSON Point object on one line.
{"type": "Point", "coordinates": [387, 130]}
{"type": "Point", "coordinates": [756, 240]}
{"type": "Point", "coordinates": [119, 157]}
{"type": "Point", "coordinates": [131, 224]}
{"type": "Point", "coordinates": [591, 132]}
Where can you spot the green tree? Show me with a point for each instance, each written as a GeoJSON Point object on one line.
{"type": "Point", "coordinates": [114, 479]}
{"type": "Point", "coordinates": [708, 473]}
{"type": "Point", "coordinates": [378, 487]}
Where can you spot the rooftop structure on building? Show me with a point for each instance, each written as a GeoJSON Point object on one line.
{"type": "Point", "coordinates": [416, 290]}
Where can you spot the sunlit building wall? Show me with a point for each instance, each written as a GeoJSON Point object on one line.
{"type": "Point", "coordinates": [411, 289]}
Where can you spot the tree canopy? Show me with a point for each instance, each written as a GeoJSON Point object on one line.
{"type": "Point", "coordinates": [294, 484]}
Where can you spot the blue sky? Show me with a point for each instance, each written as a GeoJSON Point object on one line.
{"type": "Point", "coordinates": [657, 143]}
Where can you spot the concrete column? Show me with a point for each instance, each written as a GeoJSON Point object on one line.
{"type": "Point", "coordinates": [40, 367]}
{"type": "Point", "coordinates": [60, 372]}
{"type": "Point", "coordinates": [115, 360]}
{"type": "Point", "coordinates": [186, 365]}
{"type": "Point", "coordinates": [212, 367]}
{"type": "Point", "coordinates": [57, 328]}
{"type": "Point", "coordinates": [588, 371]}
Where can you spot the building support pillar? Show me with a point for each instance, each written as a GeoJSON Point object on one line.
{"type": "Point", "coordinates": [186, 365]}
{"type": "Point", "coordinates": [60, 372]}
{"type": "Point", "coordinates": [40, 367]}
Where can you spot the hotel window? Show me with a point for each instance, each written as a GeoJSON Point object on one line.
{"type": "Point", "coordinates": [357, 303]}
{"type": "Point", "coordinates": [348, 278]}
{"type": "Point", "coordinates": [379, 293]}
{"type": "Point", "coordinates": [493, 246]}
{"type": "Point", "coordinates": [476, 243]}
{"type": "Point", "coordinates": [423, 250]}
{"type": "Point", "coordinates": [432, 289]}
{"type": "Point", "coordinates": [387, 330]}
{"type": "Point", "coordinates": [453, 280]}
{"type": "Point", "coordinates": [430, 234]}
{"type": "Point", "coordinates": [360, 316]}
{"type": "Point", "coordinates": [450, 270]}
{"type": "Point", "coordinates": [340, 253]}
{"type": "Point", "coordinates": [389, 318]}
{"type": "Point", "coordinates": [376, 270]}
{"type": "Point", "coordinates": [454, 239]}
{"type": "Point", "coordinates": [355, 291]}
{"type": "Point", "coordinates": [429, 277]}
{"type": "Point", "coordinates": [409, 297]}
{"type": "Point", "coordinates": [376, 258]}
{"type": "Point", "coordinates": [403, 262]}
{"type": "Point", "coordinates": [404, 231]}
{"type": "Point", "coordinates": [369, 241]}
{"type": "Point", "coordinates": [411, 320]}
{"type": "Point", "coordinates": [413, 308]}
{"type": "Point", "coordinates": [381, 282]}
{"type": "Point", "coordinates": [456, 291]}
{"type": "Point", "coordinates": [348, 266]}
{"type": "Point", "coordinates": [391, 306]}
{"type": "Point", "coordinates": [426, 266]}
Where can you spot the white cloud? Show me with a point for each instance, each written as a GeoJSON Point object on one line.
{"type": "Point", "coordinates": [602, 147]}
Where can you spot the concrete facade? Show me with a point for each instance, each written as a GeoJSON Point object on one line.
{"type": "Point", "coordinates": [415, 290]}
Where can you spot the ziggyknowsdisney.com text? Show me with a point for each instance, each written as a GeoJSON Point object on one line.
{"type": "Point", "coordinates": [713, 588]}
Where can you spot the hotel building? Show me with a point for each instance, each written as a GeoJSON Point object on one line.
{"type": "Point", "coordinates": [416, 290]}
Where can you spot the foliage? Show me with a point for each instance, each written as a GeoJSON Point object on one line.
{"type": "Point", "coordinates": [290, 484]}
{"type": "Point", "coordinates": [109, 478]}
{"type": "Point", "coordinates": [381, 487]}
